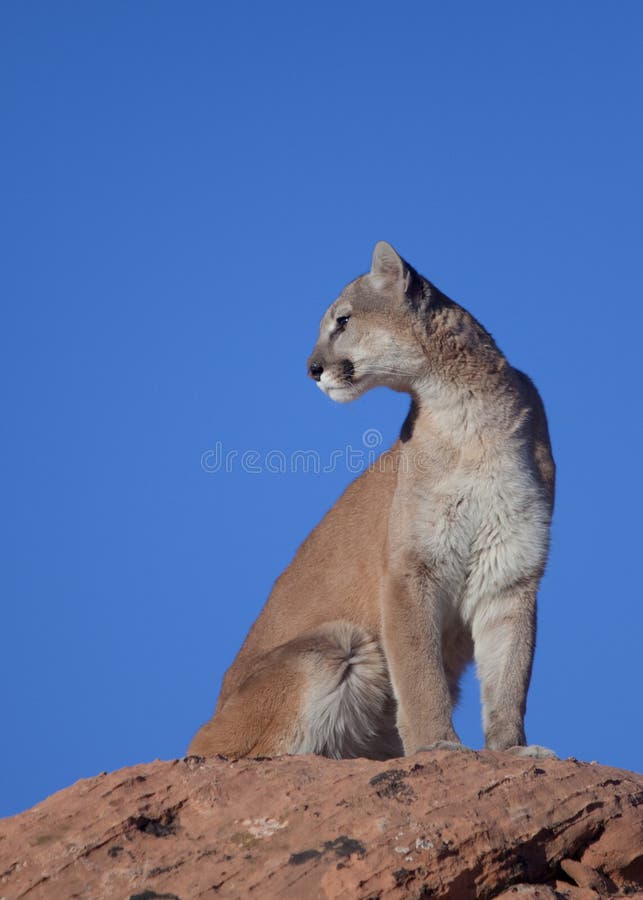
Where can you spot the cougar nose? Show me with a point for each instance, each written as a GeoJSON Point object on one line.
{"type": "Point", "coordinates": [315, 370]}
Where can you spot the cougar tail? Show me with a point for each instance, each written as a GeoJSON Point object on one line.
{"type": "Point", "coordinates": [326, 692]}
{"type": "Point", "coordinates": [348, 704]}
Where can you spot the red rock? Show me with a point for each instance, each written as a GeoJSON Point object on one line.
{"type": "Point", "coordinates": [584, 876]}
{"type": "Point", "coordinates": [439, 824]}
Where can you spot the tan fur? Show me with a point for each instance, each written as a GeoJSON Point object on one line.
{"type": "Point", "coordinates": [428, 559]}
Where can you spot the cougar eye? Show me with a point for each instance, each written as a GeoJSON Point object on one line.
{"type": "Point", "coordinates": [342, 321]}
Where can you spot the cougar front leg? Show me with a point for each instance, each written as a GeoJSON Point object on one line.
{"type": "Point", "coordinates": [504, 635]}
{"type": "Point", "coordinates": [411, 632]}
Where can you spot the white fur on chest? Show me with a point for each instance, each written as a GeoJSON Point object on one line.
{"type": "Point", "coordinates": [482, 531]}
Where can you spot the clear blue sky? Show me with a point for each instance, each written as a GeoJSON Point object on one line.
{"type": "Point", "coordinates": [185, 187]}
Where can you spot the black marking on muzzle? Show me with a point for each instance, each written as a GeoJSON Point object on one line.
{"type": "Point", "coordinates": [348, 369]}
{"type": "Point", "coordinates": [315, 370]}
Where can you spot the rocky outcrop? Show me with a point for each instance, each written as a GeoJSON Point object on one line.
{"type": "Point", "coordinates": [439, 824]}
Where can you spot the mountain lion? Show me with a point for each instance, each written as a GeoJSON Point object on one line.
{"type": "Point", "coordinates": [430, 559]}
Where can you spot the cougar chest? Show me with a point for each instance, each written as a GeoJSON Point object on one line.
{"type": "Point", "coordinates": [478, 529]}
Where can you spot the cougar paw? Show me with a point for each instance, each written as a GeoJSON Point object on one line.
{"type": "Point", "coordinates": [532, 751]}
{"type": "Point", "coordinates": [443, 745]}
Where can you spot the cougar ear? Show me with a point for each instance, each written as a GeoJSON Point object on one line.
{"type": "Point", "coordinates": [389, 269]}
{"type": "Point", "coordinates": [386, 266]}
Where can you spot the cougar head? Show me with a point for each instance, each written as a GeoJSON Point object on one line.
{"type": "Point", "coordinates": [369, 335]}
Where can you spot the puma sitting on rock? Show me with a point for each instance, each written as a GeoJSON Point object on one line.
{"type": "Point", "coordinates": [430, 559]}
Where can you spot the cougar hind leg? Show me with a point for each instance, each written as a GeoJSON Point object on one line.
{"type": "Point", "coordinates": [259, 718]}
{"type": "Point", "coordinates": [326, 692]}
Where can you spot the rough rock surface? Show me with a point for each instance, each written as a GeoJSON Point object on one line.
{"type": "Point", "coordinates": [439, 824]}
